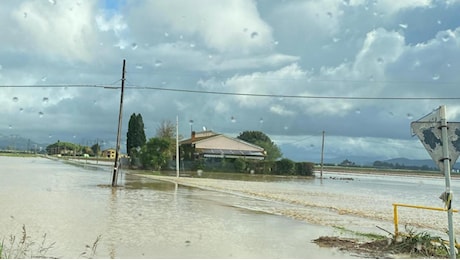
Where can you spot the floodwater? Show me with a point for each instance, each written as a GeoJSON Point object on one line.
{"type": "Point", "coordinates": [145, 218]}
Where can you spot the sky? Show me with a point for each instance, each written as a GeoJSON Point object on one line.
{"type": "Point", "coordinates": [361, 71]}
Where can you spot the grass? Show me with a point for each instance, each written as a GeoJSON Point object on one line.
{"type": "Point", "coordinates": [15, 247]}
{"type": "Point", "coordinates": [23, 246]}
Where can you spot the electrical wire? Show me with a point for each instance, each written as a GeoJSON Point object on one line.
{"type": "Point", "coordinates": [111, 86]}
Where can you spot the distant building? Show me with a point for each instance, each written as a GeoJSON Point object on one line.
{"type": "Point", "coordinates": [108, 153]}
{"type": "Point", "coordinates": [208, 144]}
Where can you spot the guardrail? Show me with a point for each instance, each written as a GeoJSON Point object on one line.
{"type": "Point", "coordinates": [395, 212]}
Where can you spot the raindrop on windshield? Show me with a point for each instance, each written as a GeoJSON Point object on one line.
{"type": "Point", "coordinates": [233, 119]}
{"type": "Point", "coordinates": [53, 2]}
{"type": "Point", "coordinates": [261, 120]}
{"type": "Point", "coordinates": [158, 63]}
{"type": "Point", "coordinates": [134, 46]}
{"type": "Point", "coordinates": [254, 35]}
{"type": "Point", "coordinates": [410, 116]}
{"type": "Point", "coordinates": [21, 109]}
{"type": "Point", "coordinates": [192, 45]}
{"type": "Point", "coordinates": [380, 60]}
{"type": "Point", "coordinates": [15, 99]}
{"type": "Point", "coordinates": [286, 127]}
{"type": "Point", "coordinates": [44, 78]}
{"type": "Point", "coordinates": [358, 111]}
{"type": "Point", "coordinates": [25, 14]}
{"type": "Point", "coordinates": [275, 42]}
{"type": "Point", "coordinates": [45, 100]}
{"type": "Point", "coordinates": [404, 26]}
{"type": "Point", "coordinates": [445, 37]}
{"type": "Point", "coordinates": [209, 56]}
{"type": "Point", "coordinates": [40, 114]}
{"type": "Point", "coordinates": [139, 67]}
{"type": "Point", "coordinates": [10, 126]}
{"type": "Point", "coordinates": [435, 77]}
{"type": "Point", "coordinates": [166, 34]}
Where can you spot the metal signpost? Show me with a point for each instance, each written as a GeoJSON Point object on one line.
{"type": "Point", "coordinates": [442, 141]}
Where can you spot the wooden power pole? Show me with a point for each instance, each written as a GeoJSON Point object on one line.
{"type": "Point", "coordinates": [117, 152]}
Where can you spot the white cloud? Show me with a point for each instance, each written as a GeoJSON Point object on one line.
{"type": "Point", "coordinates": [64, 30]}
{"type": "Point", "coordinates": [228, 26]}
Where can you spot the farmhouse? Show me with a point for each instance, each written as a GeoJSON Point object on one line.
{"type": "Point", "coordinates": [208, 144]}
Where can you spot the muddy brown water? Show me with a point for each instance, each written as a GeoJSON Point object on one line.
{"type": "Point", "coordinates": [145, 218]}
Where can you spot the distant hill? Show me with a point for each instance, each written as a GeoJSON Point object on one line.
{"type": "Point", "coordinates": [19, 143]}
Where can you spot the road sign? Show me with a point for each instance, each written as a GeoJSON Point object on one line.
{"type": "Point", "coordinates": [429, 134]}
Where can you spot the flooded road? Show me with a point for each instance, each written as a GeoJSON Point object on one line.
{"type": "Point", "coordinates": [145, 218]}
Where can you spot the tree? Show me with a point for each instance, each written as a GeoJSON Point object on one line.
{"type": "Point", "coordinates": [166, 130]}
{"type": "Point", "coordinates": [155, 153]}
{"type": "Point", "coordinates": [260, 139]}
{"type": "Point", "coordinates": [96, 149]}
{"type": "Point", "coordinates": [135, 137]}
{"type": "Point", "coordinates": [285, 166]}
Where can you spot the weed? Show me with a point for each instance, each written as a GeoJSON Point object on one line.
{"type": "Point", "coordinates": [22, 247]}
{"type": "Point", "coordinates": [92, 248]}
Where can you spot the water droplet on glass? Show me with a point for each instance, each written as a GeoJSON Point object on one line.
{"type": "Point", "coordinates": [439, 22]}
{"type": "Point", "coordinates": [254, 35]}
{"type": "Point", "coordinates": [21, 109]}
{"type": "Point", "coordinates": [380, 60]}
{"type": "Point", "coordinates": [40, 114]}
{"type": "Point", "coordinates": [139, 67]}
{"type": "Point", "coordinates": [391, 113]}
{"type": "Point", "coordinates": [445, 37]}
{"type": "Point", "coordinates": [261, 120]}
{"type": "Point", "coordinates": [44, 78]}
{"type": "Point", "coordinates": [335, 39]}
{"type": "Point", "coordinates": [358, 111]}
{"type": "Point", "coordinates": [402, 25]}
{"type": "Point", "coordinates": [192, 45]}
{"type": "Point", "coordinates": [410, 116]}
{"type": "Point", "coordinates": [166, 34]}
{"type": "Point", "coordinates": [329, 14]}
{"type": "Point", "coordinates": [158, 63]}
{"type": "Point", "coordinates": [233, 119]}
{"type": "Point", "coordinates": [133, 46]}
{"type": "Point", "coordinates": [286, 127]}
{"type": "Point", "coordinates": [275, 42]}
{"type": "Point", "coordinates": [371, 78]}
{"type": "Point", "coordinates": [25, 14]}
{"type": "Point", "coordinates": [10, 126]}
{"type": "Point", "coordinates": [435, 77]}
{"type": "Point", "coordinates": [181, 37]}
{"type": "Point", "coordinates": [209, 56]}
{"type": "Point", "coordinates": [15, 99]}
{"type": "Point", "coordinates": [49, 136]}
{"type": "Point", "coordinates": [448, 65]}
{"type": "Point", "coordinates": [45, 100]}
{"type": "Point", "coordinates": [53, 2]}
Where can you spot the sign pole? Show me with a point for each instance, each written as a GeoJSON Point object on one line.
{"type": "Point", "coordinates": [448, 195]}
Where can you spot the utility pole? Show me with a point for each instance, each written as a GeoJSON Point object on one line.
{"type": "Point", "coordinates": [177, 146]}
{"type": "Point", "coordinates": [117, 151]}
{"type": "Point", "coordinates": [322, 155]}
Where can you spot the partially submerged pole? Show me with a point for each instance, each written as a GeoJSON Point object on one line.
{"type": "Point", "coordinates": [322, 155]}
{"type": "Point", "coordinates": [177, 146]}
{"type": "Point", "coordinates": [117, 152]}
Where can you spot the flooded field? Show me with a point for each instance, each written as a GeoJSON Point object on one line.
{"type": "Point", "coordinates": [146, 218]}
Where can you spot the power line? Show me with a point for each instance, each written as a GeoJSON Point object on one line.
{"type": "Point", "coordinates": [111, 86]}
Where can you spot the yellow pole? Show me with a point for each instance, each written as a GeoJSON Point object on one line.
{"type": "Point", "coordinates": [395, 218]}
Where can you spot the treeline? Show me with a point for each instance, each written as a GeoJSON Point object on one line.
{"type": "Point", "coordinates": [388, 165]}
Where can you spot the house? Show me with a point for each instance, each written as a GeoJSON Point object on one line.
{"type": "Point", "coordinates": [109, 153]}
{"type": "Point", "coordinates": [208, 144]}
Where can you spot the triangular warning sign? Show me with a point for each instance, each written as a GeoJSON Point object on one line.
{"type": "Point", "coordinates": [429, 134]}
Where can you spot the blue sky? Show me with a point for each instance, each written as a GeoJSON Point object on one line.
{"type": "Point", "coordinates": [321, 65]}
